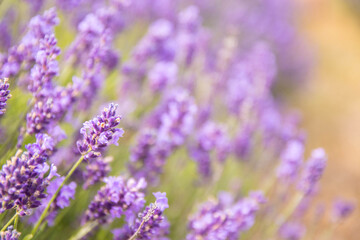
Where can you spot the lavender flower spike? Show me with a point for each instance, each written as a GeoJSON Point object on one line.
{"type": "Point", "coordinates": [10, 234]}
{"type": "Point", "coordinates": [313, 171]}
{"type": "Point", "coordinates": [151, 223]}
{"type": "Point", "coordinates": [342, 209]}
{"type": "Point", "coordinates": [100, 132]}
{"type": "Point", "coordinates": [118, 197]}
{"type": "Point", "coordinates": [23, 179]}
{"type": "Point", "coordinates": [221, 219]}
{"type": "Point", "coordinates": [291, 160]}
{"type": "Point", "coordinates": [4, 95]}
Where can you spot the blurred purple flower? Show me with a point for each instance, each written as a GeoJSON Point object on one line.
{"type": "Point", "coordinates": [118, 197]}
{"type": "Point", "coordinates": [342, 209]}
{"type": "Point", "coordinates": [4, 95]}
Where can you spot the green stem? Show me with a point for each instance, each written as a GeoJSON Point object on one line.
{"type": "Point", "coordinates": [16, 221]}
{"type": "Point", "coordinates": [287, 213]}
{"type": "Point", "coordinates": [9, 222]}
{"type": "Point", "coordinates": [133, 237]}
{"type": "Point", "coordinates": [44, 213]}
{"type": "Point", "coordinates": [84, 230]}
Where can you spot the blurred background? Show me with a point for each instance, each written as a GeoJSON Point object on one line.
{"type": "Point", "coordinates": [330, 101]}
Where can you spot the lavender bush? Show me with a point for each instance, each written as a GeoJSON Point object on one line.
{"type": "Point", "coordinates": [187, 99]}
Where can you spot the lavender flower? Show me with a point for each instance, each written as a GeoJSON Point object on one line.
{"type": "Point", "coordinates": [99, 133]}
{"type": "Point", "coordinates": [176, 117]}
{"type": "Point", "coordinates": [291, 160]}
{"type": "Point", "coordinates": [243, 142]}
{"type": "Point", "coordinates": [46, 66]}
{"type": "Point", "coordinates": [223, 219]}
{"type": "Point", "coordinates": [188, 36]}
{"type": "Point", "coordinates": [158, 44]}
{"type": "Point", "coordinates": [49, 108]}
{"type": "Point", "coordinates": [341, 210]}
{"type": "Point", "coordinates": [98, 55]}
{"type": "Point", "coordinates": [291, 231]}
{"type": "Point", "coordinates": [118, 197]}
{"type": "Point", "coordinates": [148, 157]}
{"type": "Point", "coordinates": [10, 234]}
{"type": "Point", "coordinates": [170, 124]}
{"type": "Point", "coordinates": [4, 95]}
{"type": "Point", "coordinates": [150, 224]}
{"type": "Point", "coordinates": [313, 171]}
{"type": "Point", "coordinates": [162, 75]}
{"type": "Point", "coordinates": [22, 179]}
{"type": "Point", "coordinates": [25, 53]}
{"type": "Point", "coordinates": [96, 171]}
{"type": "Point", "coordinates": [211, 137]}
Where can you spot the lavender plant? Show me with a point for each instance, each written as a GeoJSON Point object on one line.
{"type": "Point", "coordinates": [203, 126]}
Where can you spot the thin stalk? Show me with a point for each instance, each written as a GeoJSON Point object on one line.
{"type": "Point", "coordinates": [9, 222]}
{"type": "Point", "coordinates": [84, 230]}
{"type": "Point", "coordinates": [44, 213]}
{"type": "Point", "coordinates": [133, 237]}
{"type": "Point", "coordinates": [287, 213]}
{"type": "Point", "coordinates": [144, 220]}
{"type": "Point", "coordinates": [16, 221]}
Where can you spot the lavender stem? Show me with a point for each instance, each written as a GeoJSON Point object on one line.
{"type": "Point", "coordinates": [9, 222]}
{"type": "Point", "coordinates": [44, 213]}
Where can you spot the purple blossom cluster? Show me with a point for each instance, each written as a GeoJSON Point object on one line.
{"type": "Point", "coordinates": [291, 161]}
{"type": "Point", "coordinates": [150, 224]}
{"type": "Point", "coordinates": [4, 95]}
{"type": "Point", "coordinates": [291, 231]}
{"type": "Point", "coordinates": [26, 176]}
{"type": "Point", "coordinates": [170, 125]}
{"type": "Point", "coordinates": [99, 133]}
{"type": "Point", "coordinates": [211, 137]}
{"type": "Point", "coordinates": [117, 198]}
{"type": "Point", "coordinates": [313, 171]}
{"type": "Point", "coordinates": [342, 209]}
{"type": "Point", "coordinates": [223, 218]}
{"type": "Point", "coordinates": [22, 56]}
{"type": "Point", "coordinates": [10, 234]}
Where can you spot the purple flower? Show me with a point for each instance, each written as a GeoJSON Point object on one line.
{"type": "Point", "coordinates": [162, 75]}
{"type": "Point", "coordinates": [148, 157]}
{"type": "Point", "coordinates": [313, 171]}
{"type": "Point", "coordinates": [49, 108]}
{"type": "Point", "coordinates": [211, 137]}
{"type": "Point", "coordinates": [46, 66]}
{"type": "Point", "coordinates": [342, 209]}
{"type": "Point", "coordinates": [96, 171]}
{"type": "Point", "coordinates": [170, 125]}
{"type": "Point", "coordinates": [158, 44]}
{"type": "Point", "coordinates": [243, 143]}
{"type": "Point", "coordinates": [150, 224]}
{"type": "Point", "coordinates": [223, 219]}
{"type": "Point", "coordinates": [118, 197]}
{"type": "Point", "coordinates": [4, 95]}
{"type": "Point", "coordinates": [161, 200]}
{"type": "Point", "coordinates": [39, 28]}
{"type": "Point", "coordinates": [93, 53]}
{"type": "Point", "coordinates": [188, 36]}
{"type": "Point", "coordinates": [291, 231]}
{"type": "Point", "coordinates": [176, 117]}
{"type": "Point", "coordinates": [291, 161]}
{"type": "Point", "coordinates": [23, 179]}
{"type": "Point", "coordinates": [99, 133]}
{"type": "Point", "coordinates": [10, 234]}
